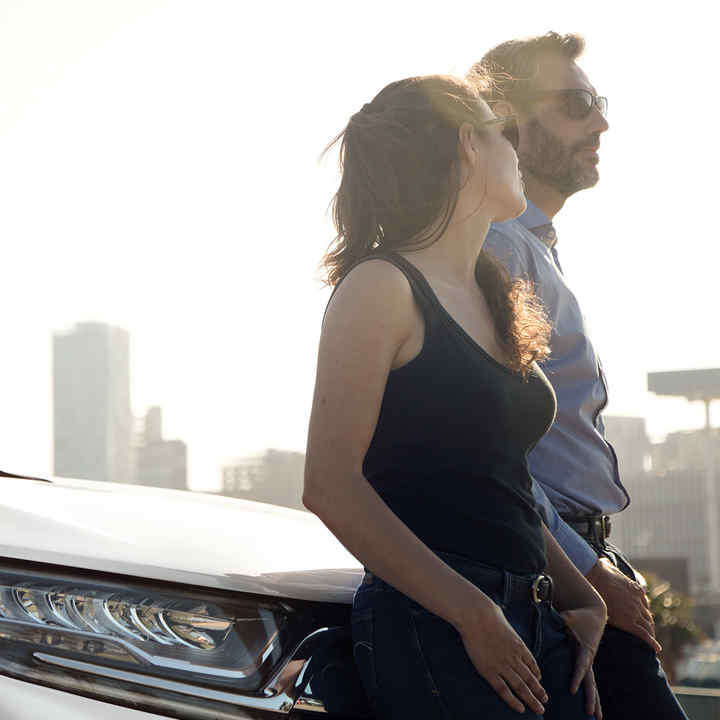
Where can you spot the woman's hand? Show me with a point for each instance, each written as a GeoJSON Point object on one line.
{"type": "Point", "coordinates": [502, 658]}
{"type": "Point", "coordinates": [592, 703]}
{"type": "Point", "coordinates": [585, 627]}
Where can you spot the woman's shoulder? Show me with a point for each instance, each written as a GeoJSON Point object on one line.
{"type": "Point", "coordinates": [375, 279]}
{"type": "Point", "coordinates": [374, 290]}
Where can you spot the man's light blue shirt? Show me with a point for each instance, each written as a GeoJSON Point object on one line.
{"type": "Point", "coordinates": [574, 468]}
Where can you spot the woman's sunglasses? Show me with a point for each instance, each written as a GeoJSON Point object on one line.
{"type": "Point", "coordinates": [509, 130]}
{"type": "Point", "coordinates": [576, 104]}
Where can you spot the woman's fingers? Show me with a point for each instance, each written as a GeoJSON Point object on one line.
{"type": "Point", "coordinates": [582, 665]}
{"type": "Point", "coordinates": [530, 674]}
{"type": "Point", "coordinates": [527, 689]}
{"type": "Point", "coordinates": [499, 685]}
{"type": "Point", "coordinates": [531, 663]}
{"type": "Point", "coordinates": [592, 696]}
{"type": "Point", "coordinates": [504, 660]}
{"type": "Point", "coordinates": [585, 627]}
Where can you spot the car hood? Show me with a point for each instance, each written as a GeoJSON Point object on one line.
{"type": "Point", "coordinates": [171, 535]}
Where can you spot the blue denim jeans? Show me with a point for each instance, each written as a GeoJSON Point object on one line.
{"type": "Point", "coordinates": [630, 678]}
{"type": "Point", "coordinates": [413, 664]}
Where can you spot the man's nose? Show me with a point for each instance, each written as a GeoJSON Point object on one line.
{"type": "Point", "coordinates": [599, 122]}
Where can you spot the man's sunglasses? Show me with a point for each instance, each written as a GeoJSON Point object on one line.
{"type": "Point", "coordinates": [576, 104]}
{"type": "Point", "coordinates": [509, 130]}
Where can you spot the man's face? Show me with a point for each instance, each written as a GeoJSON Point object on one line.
{"type": "Point", "coordinates": [559, 151]}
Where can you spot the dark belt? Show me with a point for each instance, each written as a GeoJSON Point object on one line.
{"type": "Point", "coordinates": [538, 589]}
{"type": "Point", "coordinates": [594, 528]}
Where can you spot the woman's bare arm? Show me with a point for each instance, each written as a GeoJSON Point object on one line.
{"type": "Point", "coordinates": [571, 590]}
{"type": "Point", "coordinates": [367, 325]}
{"type": "Point", "coordinates": [368, 320]}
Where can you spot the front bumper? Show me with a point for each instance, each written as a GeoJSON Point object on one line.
{"type": "Point", "coordinates": [21, 700]}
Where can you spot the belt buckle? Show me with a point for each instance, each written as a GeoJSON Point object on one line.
{"type": "Point", "coordinates": [606, 526]}
{"type": "Point", "coordinates": [536, 588]}
{"type": "Point", "coordinates": [601, 528]}
{"type": "Point", "coordinates": [596, 529]}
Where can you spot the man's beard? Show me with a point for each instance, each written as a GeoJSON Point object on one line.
{"type": "Point", "coordinates": [555, 164]}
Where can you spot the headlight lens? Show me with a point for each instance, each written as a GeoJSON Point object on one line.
{"type": "Point", "coordinates": [218, 641]}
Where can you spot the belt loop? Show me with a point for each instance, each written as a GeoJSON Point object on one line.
{"type": "Point", "coordinates": [507, 588]}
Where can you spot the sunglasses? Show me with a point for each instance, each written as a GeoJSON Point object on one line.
{"type": "Point", "coordinates": [509, 128]}
{"type": "Point", "coordinates": [576, 104]}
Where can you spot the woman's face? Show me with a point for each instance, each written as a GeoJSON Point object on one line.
{"type": "Point", "coordinates": [504, 191]}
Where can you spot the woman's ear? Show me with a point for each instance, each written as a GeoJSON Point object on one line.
{"type": "Point", "coordinates": [468, 141]}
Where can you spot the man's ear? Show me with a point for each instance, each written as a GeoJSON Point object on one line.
{"type": "Point", "coordinates": [503, 107]}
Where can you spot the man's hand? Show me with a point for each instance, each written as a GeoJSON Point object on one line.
{"type": "Point", "coordinates": [627, 605]}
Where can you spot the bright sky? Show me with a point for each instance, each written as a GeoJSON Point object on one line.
{"type": "Point", "coordinates": [158, 171]}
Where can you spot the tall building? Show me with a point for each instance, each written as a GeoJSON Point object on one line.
{"type": "Point", "coordinates": [274, 476]}
{"type": "Point", "coordinates": [674, 508]}
{"type": "Point", "coordinates": [159, 463]}
{"type": "Point", "coordinates": [91, 403]}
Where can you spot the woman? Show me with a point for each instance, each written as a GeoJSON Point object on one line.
{"type": "Point", "coordinates": [426, 403]}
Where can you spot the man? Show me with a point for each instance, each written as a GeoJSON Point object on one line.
{"type": "Point", "coordinates": [561, 120]}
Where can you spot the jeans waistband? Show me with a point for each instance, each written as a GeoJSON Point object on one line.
{"type": "Point", "coordinates": [508, 587]}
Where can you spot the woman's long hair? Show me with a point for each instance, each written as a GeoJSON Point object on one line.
{"type": "Point", "coordinates": [400, 182]}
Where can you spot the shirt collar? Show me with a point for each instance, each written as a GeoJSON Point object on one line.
{"type": "Point", "coordinates": [533, 216]}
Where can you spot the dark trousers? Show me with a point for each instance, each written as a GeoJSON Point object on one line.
{"type": "Point", "coordinates": [630, 679]}
{"type": "Point", "coordinates": [414, 665]}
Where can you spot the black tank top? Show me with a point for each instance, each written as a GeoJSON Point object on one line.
{"type": "Point", "coordinates": [449, 453]}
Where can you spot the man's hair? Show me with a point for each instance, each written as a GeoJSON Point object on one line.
{"type": "Point", "coordinates": [514, 66]}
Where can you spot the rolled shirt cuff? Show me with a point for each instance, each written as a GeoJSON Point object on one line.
{"type": "Point", "coordinates": [576, 548]}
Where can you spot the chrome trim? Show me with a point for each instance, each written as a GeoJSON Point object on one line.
{"type": "Point", "coordinates": [279, 695]}
{"type": "Point", "coordinates": [310, 705]}
{"type": "Point", "coordinates": [280, 703]}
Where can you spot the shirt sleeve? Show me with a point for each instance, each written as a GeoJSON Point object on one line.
{"type": "Point", "coordinates": [580, 553]}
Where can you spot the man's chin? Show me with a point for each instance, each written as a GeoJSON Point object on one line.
{"type": "Point", "coordinates": [581, 181]}
{"type": "Point", "coordinates": [586, 175]}
{"type": "Point", "coordinates": [590, 179]}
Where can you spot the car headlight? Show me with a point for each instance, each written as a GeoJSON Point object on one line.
{"type": "Point", "coordinates": [127, 640]}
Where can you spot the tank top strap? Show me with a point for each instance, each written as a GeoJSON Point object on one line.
{"type": "Point", "coordinates": [422, 292]}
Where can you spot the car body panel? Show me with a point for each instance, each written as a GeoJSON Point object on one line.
{"type": "Point", "coordinates": [20, 700]}
{"type": "Point", "coordinates": [175, 536]}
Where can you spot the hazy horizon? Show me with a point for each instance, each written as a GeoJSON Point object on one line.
{"type": "Point", "coordinates": [160, 173]}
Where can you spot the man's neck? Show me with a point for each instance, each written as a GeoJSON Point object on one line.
{"type": "Point", "coordinates": [549, 200]}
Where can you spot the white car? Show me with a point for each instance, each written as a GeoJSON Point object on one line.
{"type": "Point", "coordinates": [127, 602]}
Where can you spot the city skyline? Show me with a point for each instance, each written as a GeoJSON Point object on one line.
{"type": "Point", "coordinates": [96, 434]}
{"type": "Point", "coordinates": [154, 417]}
{"type": "Point", "coordinates": [166, 192]}
{"type": "Point", "coordinates": [245, 451]}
